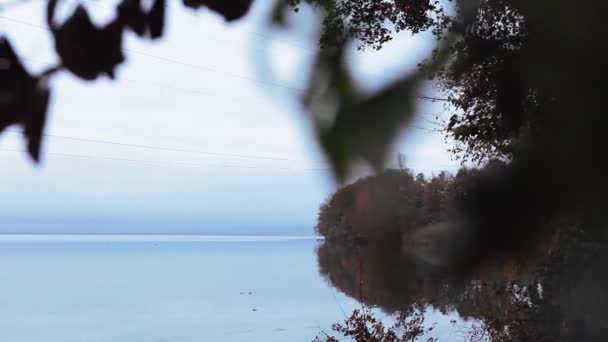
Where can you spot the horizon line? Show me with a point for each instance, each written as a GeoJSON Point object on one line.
{"type": "Point", "coordinates": [151, 238]}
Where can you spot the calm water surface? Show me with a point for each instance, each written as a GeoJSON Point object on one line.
{"type": "Point", "coordinates": [163, 288]}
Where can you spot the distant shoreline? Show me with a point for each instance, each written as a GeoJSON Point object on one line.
{"type": "Point", "coordinates": [108, 237]}
{"type": "Point", "coordinates": [154, 234]}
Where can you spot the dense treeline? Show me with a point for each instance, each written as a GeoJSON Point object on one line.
{"type": "Point", "coordinates": [394, 202]}
{"type": "Point", "coordinates": [549, 293]}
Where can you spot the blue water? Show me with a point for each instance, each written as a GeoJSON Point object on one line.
{"type": "Point", "coordinates": [163, 289]}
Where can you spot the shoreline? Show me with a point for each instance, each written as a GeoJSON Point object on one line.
{"type": "Point", "coordinates": [87, 237]}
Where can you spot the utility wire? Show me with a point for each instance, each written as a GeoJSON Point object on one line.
{"type": "Point", "coordinates": [434, 122]}
{"type": "Point", "coordinates": [219, 154]}
{"type": "Point", "coordinates": [175, 61]}
{"type": "Point", "coordinates": [165, 162]}
{"type": "Point", "coordinates": [170, 60]}
{"type": "Point", "coordinates": [424, 128]}
{"type": "Point", "coordinates": [205, 67]}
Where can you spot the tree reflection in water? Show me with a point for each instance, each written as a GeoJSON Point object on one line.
{"type": "Point", "coordinates": [551, 296]}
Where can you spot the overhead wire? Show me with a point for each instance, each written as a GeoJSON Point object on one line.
{"type": "Point", "coordinates": [96, 140]}
{"type": "Point", "coordinates": [174, 61]}
{"type": "Point", "coordinates": [71, 155]}
{"type": "Point", "coordinates": [219, 154]}
{"type": "Point", "coordinates": [170, 60]}
{"type": "Point", "coordinates": [206, 67]}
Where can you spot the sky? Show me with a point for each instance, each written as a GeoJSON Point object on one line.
{"type": "Point", "coordinates": [233, 150]}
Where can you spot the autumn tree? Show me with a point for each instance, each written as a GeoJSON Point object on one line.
{"type": "Point", "coordinates": [489, 110]}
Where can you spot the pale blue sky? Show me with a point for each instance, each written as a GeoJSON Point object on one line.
{"type": "Point", "coordinates": [198, 89]}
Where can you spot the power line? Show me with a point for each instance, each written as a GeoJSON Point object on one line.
{"type": "Point", "coordinates": [83, 156]}
{"type": "Point", "coordinates": [205, 67]}
{"type": "Point", "coordinates": [175, 61]}
{"type": "Point", "coordinates": [434, 122]}
{"type": "Point", "coordinates": [424, 128]}
{"type": "Point", "coordinates": [432, 98]}
{"type": "Point", "coordinates": [161, 147]}
{"type": "Point", "coordinates": [162, 85]}
{"type": "Point", "coordinates": [265, 36]}
{"type": "Point", "coordinates": [152, 147]}
{"type": "Point", "coordinates": [23, 22]}
{"type": "Point", "coordinates": [159, 162]}
{"type": "Point", "coordinates": [170, 60]}
{"type": "Point", "coordinates": [211, 94]}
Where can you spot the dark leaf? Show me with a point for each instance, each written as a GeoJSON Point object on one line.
{"type": "Point", "coordinates": [133, 16]}
{"type": "Point", "coordinates": [86, 50]}
{"type": "Point", "coordinates": [23, 99]}
{"type": "Point", "coordinates": [35, 121]}
{"type": "Point", "coordinates": [156, 19]}
{"type": "Point", "coordinates": [231, 10]}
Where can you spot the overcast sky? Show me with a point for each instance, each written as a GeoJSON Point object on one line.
{"type": "Point", "coordinates": [249, 154]}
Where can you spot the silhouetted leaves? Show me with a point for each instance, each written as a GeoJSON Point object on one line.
{"type": "Point", "coordinates": [23, 99]}
{"type": "Point", "coordinates": [86, 50]}
{"type": "Point", "coordinates": [491, 104]}
{"type": "Point", "coordinates": [231, 10]}
{"type": "Point", "coordinates": [133, 16]}
{"type": "Point", "coordinates": [156, 19]}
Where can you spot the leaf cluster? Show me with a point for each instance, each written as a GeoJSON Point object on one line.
{"type": "Point", "coordinates": [87, 51]}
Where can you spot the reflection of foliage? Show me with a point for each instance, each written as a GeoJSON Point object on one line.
{"type": "Point", "coordinates": [553, 296]}
{"type": "Point", "coordinates": [395, 282]}
{"type": "Point", "coordinates": [380, 275]}
{"type": "Point", "coordinates": [363, 326]}
{"type": "Point", "coordinates": [502, 293]}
